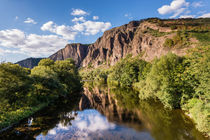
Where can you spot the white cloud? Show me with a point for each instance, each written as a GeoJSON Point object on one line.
{"type": "Point", "coordinates": [16, 41]}
{"type": "Point", "coordinates": [176, 7]}
{"type": "Point", "coordinates": [92, 27]}
{"type": "Point", "coordinates": [187, 16]}
{"type": "Point", "coordinates": [16, 17]}
{"type": "Point", "coordinates": [70, 32]}
{"type": "Point", "coordinates": [207, 15]}
{"type": "Point", "coordinates": [82, 19]}
{"type": "Point", "coordinates": [65, 31]}
{"type": "Point", "coordinates": [178, 12]}
{"type": "Point", "coordinates": [197, 4]}
{"type": "Point", "coordinates": [95, 17]}
{"type": "Point", "coordinates": [78, 27]}
{"type": "Point", "coordinates": [30, 20]}
{"type": "Point", "coordinates": [78, 12]}
{"type": "Point", "coordinates": [11, 38]}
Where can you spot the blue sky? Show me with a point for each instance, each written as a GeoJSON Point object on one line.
{"type": "Point", "coordinates": [38, 28]}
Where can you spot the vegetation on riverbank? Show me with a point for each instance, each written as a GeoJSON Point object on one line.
{"type": "Point", "coordinates": [24, 91]}
{"type": "Point", "coordinates": [178, 82]}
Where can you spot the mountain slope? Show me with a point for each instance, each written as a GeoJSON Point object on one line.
{"type": "Point", "coordinates": [76, 51]}
{"type": "Point", "coordinates": [149, 38]}
{"type": "Point", "coordinates": [29, 62]}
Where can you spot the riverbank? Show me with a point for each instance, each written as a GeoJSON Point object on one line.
{"type": "Point", "coordinates": [9, 119]}
{"type": "Point", "coordinates": [107, 114]}
{"type": "Point", "coordinates": [24, 92]}
{"type": "Point", "coordinates": [177, 82]}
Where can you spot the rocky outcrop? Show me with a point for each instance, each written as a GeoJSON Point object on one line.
{"type": "Point", "coordinates": [75, 51]}
{"type": "Point", "coordinates": [135, 38]}
{"type": "Point", "coordinates": [29, 62]}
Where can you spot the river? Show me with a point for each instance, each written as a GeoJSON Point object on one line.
{"type": "Point", "coordinates": [103, 113]}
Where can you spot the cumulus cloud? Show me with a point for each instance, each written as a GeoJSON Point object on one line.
{"type": "Point", "coordinates": [176, 7]}
{"type": "Point", "coordinates": [95, 17]}
{"type": "Point", "coordinates": [207, 15]}
{"type": "Point", "coordinates": [65, 31]}
{"type": "Point", "coordinates": [92, 27]}
{"type": "Point", "coordinates": [30, 21]}
{"type": "Point", "coordinates": [11, 38]}
{"type": "Point", "coordinates": [78, 12]}
{"type": "Point", "coordinates": [197, 4]}
{"type": "Point", "coordinates": [81, 19]}
{"type": "Point", "coordinates": [70, 32]}
{"type": "Point", "coordinates": [16, 41]}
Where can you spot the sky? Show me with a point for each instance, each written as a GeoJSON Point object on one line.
{"type": "Point", "coordinates": [39, 28]}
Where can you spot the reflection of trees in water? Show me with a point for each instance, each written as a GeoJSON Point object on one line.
{"type": "Point", "coordinates": [124, 107]}
{"type": "Point", "coordinates": [121, 106]}
{"type": "Point", "coordinates": [45, 120]}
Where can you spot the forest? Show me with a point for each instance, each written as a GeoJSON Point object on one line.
{"type": "Point", "coordinates": [177, 82]}
{"type": "Point", "coordinates": [24, 91]}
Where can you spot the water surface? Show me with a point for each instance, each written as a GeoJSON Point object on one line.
{"type": "Point", "coordinates": [102, 113]}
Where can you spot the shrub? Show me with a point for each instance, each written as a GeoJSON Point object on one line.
{"type": "Point", "coordinates": [168, 43]}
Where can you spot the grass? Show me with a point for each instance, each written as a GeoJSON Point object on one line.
{"type": "Point", "coordinates": [203, 38]}
{"type": "Point", "coordinates": [155, 33]}
{"type": "Point", "coordinates": [9, 118]}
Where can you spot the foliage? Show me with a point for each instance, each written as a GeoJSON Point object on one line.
{"type": "Point", "coordinates": [15, 84]}
{"type": "Point", "coordinates": [200, 113]}
{"type": "Point", "coordinates": [46, 62]}
{"type": "Point", "coordinates": [96, 75]}
{"type": "Point", "coordinates": [155, 33]}
{"type": "Point", "coordinates": [126, 71]}
{"type": "Point", "coordinates": [181, 39]}
{"type": "Point", "coordinates": [164, 80]}
{"type": "Point", "coordinates": [178, 82]}
{"type": "Point", "coordinates": [202, 37]}
{"type": "Point", "coordinates": [168, 43]}
{"type": "Point", "coordinates": [24, 91]}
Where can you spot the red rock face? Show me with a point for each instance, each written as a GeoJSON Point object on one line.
{"type": "Point", "coordinates": [112, 46]}
{"type": "Point", "coordinates": [117, 43]}
{"type": "Point", "coordinates": [75, 51]}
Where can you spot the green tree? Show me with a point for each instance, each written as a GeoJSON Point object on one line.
{"type": "Point", "coordinates": [164, 80]}
{"type": "Point", "coordinates": [15, 83]}
{"type": "Point", "coordinates": [46, 62]}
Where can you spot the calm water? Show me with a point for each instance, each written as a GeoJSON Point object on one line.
{"type": "Point", "coordinates": [102, 113]}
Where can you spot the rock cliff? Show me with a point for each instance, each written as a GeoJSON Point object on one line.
{"type": "Point", "coordinates": [145, 38]}
{"type": "Point", "coordinates": [75, 51]}
{"type": "Point", "coordinates": [136, 38]}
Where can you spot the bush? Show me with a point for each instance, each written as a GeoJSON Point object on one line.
{"type": "Point", "coordinates": [24, 91]}
{"type": "Point", "coordinates": [168, 43]}
{"type": "Point", "coordinates": [163, 81]}
{"type": "Point", "coordinates": [127, 71]}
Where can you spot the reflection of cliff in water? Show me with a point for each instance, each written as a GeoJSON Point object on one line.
{"type": "Point", "coordinates": [123, 107]}
{"type": "Point", "coordinates": [107, 105]}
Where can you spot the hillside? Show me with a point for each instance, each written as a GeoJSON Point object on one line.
{"type": "Point", "coordinates": [29, 62]}
{"type": "Point", "coordinates": [149, 38]}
